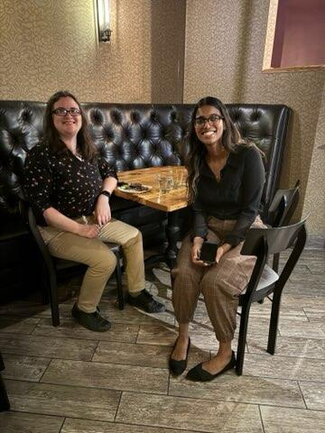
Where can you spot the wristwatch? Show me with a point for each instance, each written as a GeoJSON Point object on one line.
{"type": "Point", "coordinates": [107, 193]}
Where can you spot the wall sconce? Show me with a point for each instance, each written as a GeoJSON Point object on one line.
{"type": "Point", "coordinates": [103, 20]}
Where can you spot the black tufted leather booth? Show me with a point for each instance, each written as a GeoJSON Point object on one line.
{"type": "Point", "coordinates": [129, 136]}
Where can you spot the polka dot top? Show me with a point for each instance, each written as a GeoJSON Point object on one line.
{"type": "Point", "coordinates": [63, 181]}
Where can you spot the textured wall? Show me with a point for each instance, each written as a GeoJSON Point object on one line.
{"type": "Point", "coordinates": [50, 44]}
{"type": "Point", "coordinates": [46, 45]}
{"type": "Point", "coordinates": [224, 57]}
{"type": "Point", "coordinates": [315, 193]}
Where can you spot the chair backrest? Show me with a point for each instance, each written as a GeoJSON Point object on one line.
{"type": "Point", "coordinates": [28, 214]}
{"type": "Point", "coordinates": [274, 240]}
{"type": "Point", "coordinates": [283, 205]}
{"type": "Point", "coordinates": [277, 239]}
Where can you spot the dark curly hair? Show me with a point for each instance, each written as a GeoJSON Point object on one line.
{"type": "Point", "coordinates": [85, 145]}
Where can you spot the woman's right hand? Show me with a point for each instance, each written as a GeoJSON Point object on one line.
{"type": "Point", "coordinates": [88, 230]}
{"type": "Point", "coordinates": [196, 251]}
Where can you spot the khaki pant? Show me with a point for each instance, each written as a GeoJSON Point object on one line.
{"type": "Point", "coordinates": [100, 260]}
{"type": "Point", "coordinates": [220, 284]}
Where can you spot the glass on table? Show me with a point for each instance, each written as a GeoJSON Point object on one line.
{"type": "Point", "coordinates": [165, 183]}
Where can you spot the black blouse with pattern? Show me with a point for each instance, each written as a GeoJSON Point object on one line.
{"type": "Point", "coordinates": [63, 181]}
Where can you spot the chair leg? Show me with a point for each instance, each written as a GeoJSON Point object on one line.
{"type": "Point", "coordinates": [52, 286]}
{"type": "Point", "coordinates": [118, 275]}
{"type": "Point", "coordinates": [276, 259]}
{"type": "Point", "coordinates": [4, 400]}
{"type": "Point", "coordinates": [274, 320]}
{"type": "Point", "coordinates": [242, 339]}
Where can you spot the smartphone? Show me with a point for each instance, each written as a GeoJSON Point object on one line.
{"type": "Point", "coordinates": [208, 252]}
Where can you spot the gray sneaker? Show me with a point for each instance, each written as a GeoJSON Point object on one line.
{"type": "Point", "coordinates": [93, 321]}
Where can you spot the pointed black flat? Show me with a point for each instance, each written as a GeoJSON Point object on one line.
{"type": "Point", "coordinates": [197, 374]}
{"type": "Point", "coordinates": [178, 367]}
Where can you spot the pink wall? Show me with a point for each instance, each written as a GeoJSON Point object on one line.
{"type": "Point", "coordinates": [300, 34]}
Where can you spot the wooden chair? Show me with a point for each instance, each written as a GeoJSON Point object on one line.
{"type": "Point", "coordinates": [55, 268]}
{"type": "Point", "coordinates": [264, 281]}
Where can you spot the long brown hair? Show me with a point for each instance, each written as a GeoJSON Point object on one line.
{"type": "Point", "coordinates": [85, 145]}
{"type": "Point", "coordinates": [230, 140]}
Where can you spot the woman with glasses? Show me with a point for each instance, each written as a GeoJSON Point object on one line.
{"type": "Point", "coordinates": [69, 187]}
{"type": "Point", "coordinates": [225, 179]}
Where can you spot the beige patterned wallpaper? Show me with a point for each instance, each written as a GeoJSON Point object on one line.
{"type": "Point", "coordinates": [46, 45]}
{"type": "Point", "coordinates": [224, 57]}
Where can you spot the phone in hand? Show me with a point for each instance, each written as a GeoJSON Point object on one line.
{"type": "Point", "coordinates": [208, 252]}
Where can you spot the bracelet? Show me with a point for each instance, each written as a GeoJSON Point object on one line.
{"type": "Point", "coordinates": [106, 193]}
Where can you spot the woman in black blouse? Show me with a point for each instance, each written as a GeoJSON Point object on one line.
{"type": "Point", "coordinates": [69, 188]}
{"type": "Point", "coordinates": [226, 178]}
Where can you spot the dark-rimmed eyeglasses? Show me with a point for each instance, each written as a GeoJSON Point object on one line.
{"type": "Point", "coordinates": [199, 121]}
{"type": "Point", "coordinates": [64, 111]}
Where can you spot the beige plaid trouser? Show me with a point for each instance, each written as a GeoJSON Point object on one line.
{"type": "Point", "coordinates": [220, 284]}
{"type": "Point", "coordinates": [99, 258]}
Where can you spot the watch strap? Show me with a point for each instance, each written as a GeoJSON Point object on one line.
{"type": "Point", "coordinates": [106, 193]}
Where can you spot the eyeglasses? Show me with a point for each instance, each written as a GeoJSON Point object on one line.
{"type": "Point", "coordinates": [199, 121]}
{"type": "Point", "coordinates": [64, 111]}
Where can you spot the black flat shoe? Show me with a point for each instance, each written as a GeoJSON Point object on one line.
{"type": "Point", "coordinates": [146, 302]}
{"type": "Point", "coordinates": [93, 321]}
{"type": "Point", "coordinates": [178, 367]}
{"type": "Point", "coordinates": [197, 374]}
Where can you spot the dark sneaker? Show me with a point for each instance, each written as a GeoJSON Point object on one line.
{"type": "Point", "coordinates": [93, 321]}
{"type": "Point", "coordinates": [146, 302]}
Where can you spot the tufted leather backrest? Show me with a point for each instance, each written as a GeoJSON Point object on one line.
{"type": "Point", "coordinates": [134, 136]}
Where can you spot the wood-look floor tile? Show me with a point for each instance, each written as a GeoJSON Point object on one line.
{"type": "Point", "coordinates": [314, 394]}
{"type": "Point", "coordinates": [17, 422]}
{"type": "Point", "coordinates": [22, 308]}
{"type": "Point", "coordinates": [70, 328]}
{"type": "Point", "coordinates": [241, 389]}
{"type": "Point", "coordinates": [17, 324]}
{"type": "Point", "coordinates": [314, 286]}
{"type": "Point", "coordinates": [69, 348]}
{"type": "Point", "coordinates": [148, 355]}
{"type": "Point", "coordinates": [132, 354]}
{"type": "Point", "coordinates": [284, 367]}
{"type": "Point", "coordinates": [60, 400]}
{"type": "Point", "coordinates": [289, 346]}
{"type": "Point", "coordinates": [316, 314]}
{"type": "Point", "coordinates": [188, 413]}
{"type": "Point", "coordinates": [134, 316]}
{"type": "Point", "coordinates": [83, 426]}
{"type": "Point", "coordinates": [317, 267]}
{"type": "Point", "coordinates": [157, 334]}
{"type": "Point", "coordinates": [202, 337]}
{"type": "Point", "coordinates": [300, 329]}
{"type": "Point", "coordinates": [24, 367]}
{"type": "Point", "coordinates": [295, 301]}
{"type": "Point", "coordinates": [286, 311]}
{"type": "Point", "coordinates": [109, 376]}
{"type": "Point", "coordinates": [285, 420]}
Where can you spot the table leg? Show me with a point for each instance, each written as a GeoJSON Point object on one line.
{"type": "Point", "coordinates": [172, 233]}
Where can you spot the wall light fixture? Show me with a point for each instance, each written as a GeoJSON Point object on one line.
{"type": "Point", "coordinates": [103, 20]}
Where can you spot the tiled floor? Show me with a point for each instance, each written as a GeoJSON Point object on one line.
{"type": "Point", "coordinates": [70, 380]}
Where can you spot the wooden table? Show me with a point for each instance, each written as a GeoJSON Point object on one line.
{"type": "Point", "coordinates": [169, 202]}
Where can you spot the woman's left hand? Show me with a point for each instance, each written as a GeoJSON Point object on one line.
{"type": "Point", "coordinates": [223, 249]}
{"type": "Point", "coordinates": [102, 211]}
